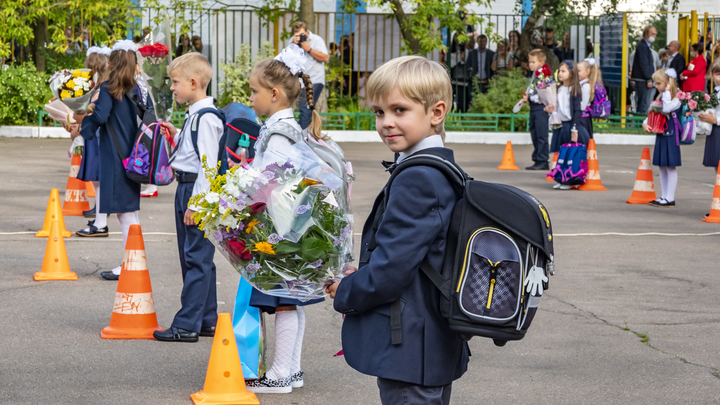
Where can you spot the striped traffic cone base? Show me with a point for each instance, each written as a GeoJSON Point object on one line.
{"type": "Point", "coordinates": [75, 192]}
{"type": "Point", "coordinates": [714, 217]}
{"type": "Point", "coordinates": [133, 314]}
{"type": "Point", "coordinates": [592, 182]}
{"type": "Point", "coordinates": [644, 189]}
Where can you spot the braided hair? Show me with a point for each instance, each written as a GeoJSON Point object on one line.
{"type": "Point", "coordinates": [316, 123]}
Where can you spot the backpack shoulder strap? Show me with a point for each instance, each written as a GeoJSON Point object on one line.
{"type": "Point", "coordinates": [279, 128]}
{"type": "Point", "coordinates": [195, 124]}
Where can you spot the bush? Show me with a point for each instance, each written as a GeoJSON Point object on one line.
{"type": "Point", "coordinates": [501, 97]}
{"type": "Point", "coordinates": [25, 91]}
{"type": "Point", "coordinates": [55, 61]}
{"type": "Point", "coordinates": [235, 87]}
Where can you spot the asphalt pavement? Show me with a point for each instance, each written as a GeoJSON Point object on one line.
{"type": "Point", "coordinates": [630, 318]}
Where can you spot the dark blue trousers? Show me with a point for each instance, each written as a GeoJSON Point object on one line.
{"type": "Point", "coordinates": [393, 392]}
{"type": "Point", "coordinates": [199, 294]}
{"type": "Point", "coordinates": [539, 124]}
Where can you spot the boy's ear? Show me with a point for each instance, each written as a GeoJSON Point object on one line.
{"type": "Point", "coordinates": [438, 111]}
{"type": "Point", "coordinates": [194, 84]}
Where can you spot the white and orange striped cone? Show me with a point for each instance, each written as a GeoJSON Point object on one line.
{"type": "Point", "coordinates": [133, 315]}
{"type": "Point", "coordinates": [592, 182]}
{"type": "Point", "coordinates": [75, 192]}
{"type": "Point", "coordinates": [714, 217]}
{"type": "Point", "coordinates": [548, 177]}
{"type": "Point", "coordinates": [644, 189]}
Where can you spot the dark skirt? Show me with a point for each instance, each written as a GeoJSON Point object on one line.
{"type": "Point", "coordinates": [712, 148]}
{"type": "Point", "coordinates": [667, 151]}
{"type": "Point", "coordinates": [563, 135]}
{"type": "Point", "coordinates": [90, 165]}
{"type": "Point", "coordinates": [269, 303]}
{"type": "Point", "coordinates": [586, 122]}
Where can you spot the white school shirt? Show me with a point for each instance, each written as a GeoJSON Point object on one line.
{"type": "Point", "coordinates": [432, 141]}
{"type": "Point", "coordinates": [563, 101]}
{"type": "Point", "coordinates": [276, 143]}
{"type": "Point", "coordinates": [585, 85]}
{"type": "Point", "coordinates": [210, 130]}
{"type": "Point", "coordinates": [670, 104]}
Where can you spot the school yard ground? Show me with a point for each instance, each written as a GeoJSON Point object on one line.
{"type": "Point", "coordinates": [628, 319]}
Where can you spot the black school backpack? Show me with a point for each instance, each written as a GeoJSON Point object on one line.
{"type": "Point", "coordinates": [238, 131]}
{"type": "Point", "coordinates": [499, 243]}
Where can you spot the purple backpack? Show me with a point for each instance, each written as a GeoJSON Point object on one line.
{"type": "Point", "coordinates": [600, 107]}
{"type": "Point", "coordinates": [148, 162]}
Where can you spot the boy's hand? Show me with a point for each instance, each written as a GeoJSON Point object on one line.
{"type": "Point", "coordinates": [332, 289]}
{"type": "Point", "coordinates": [525, 98]}
{"type": "Point", "coordinates": [646, 127]}
{"type": "Point", "coordinates": [188, 220]}
{"type": "Point", "coordinates": [549, 109]}
{"type": "Point", "coordinates": [168, 128]}
{"type": "Point", "coordinates": [243, 160]}
{"type": "Point", "coordinates": [573, 136]}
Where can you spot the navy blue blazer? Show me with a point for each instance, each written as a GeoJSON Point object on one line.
{"type": "Point", "coordinates": [414, 226]}
{"type": "Point", "coordinates": [118, 192]}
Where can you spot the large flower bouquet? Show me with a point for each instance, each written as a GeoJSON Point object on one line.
{"type": "Point", "coordinates": [74, 88]}
{"type": "Point", "coordinates": [285, 226]}
{"type": "Point", "coordinates": [154, 59]}
{"type": "Point", "coordinates": [699, 102]}
{"type": "Point", "coordinates": [656, 119]}
{"type": "Point", "coordinates": [546, 88]}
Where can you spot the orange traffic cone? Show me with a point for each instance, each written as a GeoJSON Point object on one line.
{"type": "Point", "coordinates": [133, 315]}
{"type": "Point", "coordinates": [55, 264]}
{"type": "Point", "coordinates": [592, 183]}
{"type": "Point", "coordinates": [53, 213]}
{"type": "Point", "coordinates": [224, 381]}
{"type": "Point", "coordinates": [75, 195]}
{"type": "Point", "coordinates": [508, 160]}
{"type": "Point", "coordinates": [714, 217]}
{"type": "Point", "coordinates": [552, 167]}
{"type": "Point", "coordinates": [644, 189]}
{"type": "Point", "coordinates": [90, 189]}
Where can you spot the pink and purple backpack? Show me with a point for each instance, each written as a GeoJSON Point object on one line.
{"type": "Point", "coordinates": [600, 106]}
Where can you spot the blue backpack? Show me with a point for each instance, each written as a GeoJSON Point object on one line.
{"type": "Point", "coordinates": [685, 126]}
{"type": "Point", "coordinates": [572, 167]}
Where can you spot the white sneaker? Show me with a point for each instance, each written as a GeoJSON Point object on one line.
{"type": "Point", "coordinates": [565, 187]}
{"type": "Point", "coordinates": [264, 385]}
{"type": "Point", "coordinates": [296, 380]}
{"type": "Point", "coordinates": [557, 186]}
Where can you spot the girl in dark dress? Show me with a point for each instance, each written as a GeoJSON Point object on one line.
{"type": "Point", "coordinates": [712, 141]}
{"type": "Point", "coordinates": [667, 144]}
{"type": "Point", "coordinates": [114, 117]}
{"type": "Point", "coordinates": [90, 165]}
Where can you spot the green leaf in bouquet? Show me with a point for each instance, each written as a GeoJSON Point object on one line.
{"type": "Point", "coordinates": [314, 248]}
{"type": "Point", "coordinates": [287, 247]}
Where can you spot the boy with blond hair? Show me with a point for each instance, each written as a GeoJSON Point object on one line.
{"type": "Point", "coordinates": [393, 328]}
{"type": "Point", "coordinates": [539, 126]}
{"type": "Point", "coordinates": [190, 75]}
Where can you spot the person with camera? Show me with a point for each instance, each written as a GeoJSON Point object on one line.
{"type": "Point", "coordinates": [315, 47]}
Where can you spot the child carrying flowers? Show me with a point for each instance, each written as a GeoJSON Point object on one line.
{"type": "Point", "coordinates": [667, 143]}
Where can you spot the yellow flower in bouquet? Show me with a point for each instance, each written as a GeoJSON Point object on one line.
{"type": "Point", "coordinates": [85, 75]}
{"type": "Point", "coordinates": [264, 247]}
{"type": "Point", "coordinates": [78, 93]}
{"type": "Point", "coordinates": [64, 94]}
{"type": "Point", "coordinates": [77, 73]}
{"type": "Point", "coordinates": [70, 84]}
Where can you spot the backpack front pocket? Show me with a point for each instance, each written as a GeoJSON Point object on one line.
{"type": "Point", "coordinates": [491, 284]}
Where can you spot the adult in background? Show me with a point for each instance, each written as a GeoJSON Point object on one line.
{"type": "Point", "coordinates": [479, 63]}
{"type": "Point", "coordinates": [550, 42]}
{"type": "Point", "coordinates": [197, 44]}
{"type": "Point", "coordinates": [317, 53]}
{"type": "Point", "coordinates": [503, 60]}
{"type": "Point", "coordinates": [643, 68]}
{"type": "Point", "coordinates": [183, 46]}
{"type": "Point", "coordinates": [694, 75]}
{"type": "Point", "coordinates": [676, 60]}
{"type": "Point", "coordinates": [589, 47]}
{"type": "Point", "coordinates": [564, 52]}
{"type": "Point", "coordinates": [664, 55]}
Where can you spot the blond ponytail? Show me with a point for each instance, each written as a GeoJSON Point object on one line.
{"type": "Point", "coordinates": [316, 123]}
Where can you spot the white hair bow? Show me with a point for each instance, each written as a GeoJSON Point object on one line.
{"type": "Point", "coordinates": [591, 61]}
{"type": "Point", "coordinates": [93, 49]}
{"type": "Point", "coordinates": [105, 51]}
{"type": "Point", "coordinates": [125, 45]}
{"type": "Point", "coordinates": [294, 58]}
{"type": "Point", "coordinates": [671, 73]}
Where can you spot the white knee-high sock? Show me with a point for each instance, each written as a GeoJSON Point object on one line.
{"type": "Point", "coordinates": [100, 219]}
{"type": "Point", "coordinates": [286, 329]}
{"type": "Point", "coordinates": [126, 219]}
{"type": "Point", "coordinates": [672, 179]}
{"type": "Point", "coordinates": [663, 180]}
{"type": "Point", "coordinates": [297, 354]}
{"type": "Point", "coordinates": [150, 188]}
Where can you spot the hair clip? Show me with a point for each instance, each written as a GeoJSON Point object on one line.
{"type": "Point", "coordinates": [671, 73]}
{"type": "Point", "coordinates": [294, 58]}
{"type": "Point", "coordinates": [591, 61]}
{"type": "Point", "coordinates": [569, 63]}
{"type": "Point", "coordinates": [92, 50]}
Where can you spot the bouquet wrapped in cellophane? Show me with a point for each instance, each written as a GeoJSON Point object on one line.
{"type": "Point", "coordinates": [283, 223]}
{"type": "Point", "coordinates": [154, 58]}
{"type": "Point", "coordinates": [74, 88]}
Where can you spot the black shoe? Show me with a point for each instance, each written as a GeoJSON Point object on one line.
{"type": "Point", "coordinates": [90, 213]}
{"type": "Point", "coordinates": [93, 231]}
{"type": "Point", "coordinates": [539, 166]}
{"type": "Point", "coordinates": [109, 275]}
{"type": "Point", "coordinates": [207, 331]}
{"type": "Point", "coordinates": [174, 334]}
{"type": "Point", "coordinates": [661, 202]}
